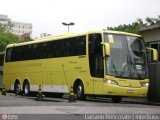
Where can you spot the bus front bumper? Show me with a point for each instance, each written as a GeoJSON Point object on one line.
{"type": "Point", "coordinates": [125, 91]}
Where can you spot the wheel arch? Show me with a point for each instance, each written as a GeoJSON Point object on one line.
{"type": "Point", "coordinates": [26, 80]}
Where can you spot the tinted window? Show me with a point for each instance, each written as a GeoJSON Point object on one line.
{"type": "Point", "coordinates": [1, 59]}
{"type": "Point", "coordinates": [61, 48]}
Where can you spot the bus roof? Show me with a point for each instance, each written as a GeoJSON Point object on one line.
{"type": "Point", "coordinates": [68, 35]}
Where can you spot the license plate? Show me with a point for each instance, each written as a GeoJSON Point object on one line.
{"type": "Point", "coordinates": [130, 91]}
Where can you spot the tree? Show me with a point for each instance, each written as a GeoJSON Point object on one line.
{"type": "Point", "coordinates": [136, 25]}
{"type": "Point", "coordinates": [150, 21]}
{"type": "Point", "coordinates": [2, 28]}
{"type": "Point", "coordinates": [131, 28]}
{"type": "Point", "coordinates": [158, 20]}
{"type": "Point", "coordinates": [7, 38]}
{"type": "Point", "coordinates": [44, 35]}
{"type": "Point", "coordinates": [6, 27]}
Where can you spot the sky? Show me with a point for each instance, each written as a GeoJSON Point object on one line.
{"type": "Point", "coordinates": [47, 16]}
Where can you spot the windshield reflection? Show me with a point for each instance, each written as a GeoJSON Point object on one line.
{"type": "Point", "coordinates": [128, 56]}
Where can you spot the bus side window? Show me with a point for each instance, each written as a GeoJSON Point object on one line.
{"type": "Point", "coordinates": [8, 55]}
{"type": "Point", "coordinates": [96, 55]}
{"type": "Point", "coordinates": [1, 59]}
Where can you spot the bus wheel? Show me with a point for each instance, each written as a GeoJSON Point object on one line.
{"type": "Point", "coordinates": [116, 99]}
{"type": "Point", "coordinates": [26, 88]}
{"type": "Point", "coordinates": [80, 91]}
{"type": "Point", "coordinates": [17, 88]}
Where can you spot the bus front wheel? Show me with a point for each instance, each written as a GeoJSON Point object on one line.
{"type": "Point", "coordinates": [80, 91]}
{"type": "Point", "coordinates": [116, 99]}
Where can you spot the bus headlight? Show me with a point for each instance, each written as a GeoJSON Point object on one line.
{"type": "Point", "coordinates": [112, 82]}
{"type": "Point", "coordinates": [144, 84]}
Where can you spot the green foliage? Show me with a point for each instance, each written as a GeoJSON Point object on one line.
{"type": "Point", "coordinates": [136, 25]}
{"type": "Point", "coordinates": [131, 28]}
{"type": "Point", "coordinates": [7, 38]}
{"type": "Point", "coordinates": [2, 28]}
{"type": "Point", "coordinates": [6, 27]}
{"type": "Point", "coordinates": [26, 39]}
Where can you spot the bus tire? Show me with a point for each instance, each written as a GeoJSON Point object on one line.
{"type": "Point", "coordinates": [116, 99]}
{"type": "Point", "coordinates": [26, 88]}
{"type": "Point", "coordinates": [17, 87]}
{"type": "Point", "coordinates": [80, 91]}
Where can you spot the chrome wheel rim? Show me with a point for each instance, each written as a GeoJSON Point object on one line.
{"type": "Point", "coordinates": [17, 88]}
{"type": "Point", "coordinates": [79, 91]}
{"type": "Point", "coordinates": [26, 90]}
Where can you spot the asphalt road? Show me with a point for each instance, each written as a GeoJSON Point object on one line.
{"type": "Point", "coordinates": [28, 108]}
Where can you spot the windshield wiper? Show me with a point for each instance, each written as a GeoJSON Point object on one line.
{"type": "Point", "coordinates": [114, 68]}
{"type": "Point", "coordinates": [129, 64]}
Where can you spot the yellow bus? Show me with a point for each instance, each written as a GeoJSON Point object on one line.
{"type": "Point", "coordinates": [100, 63]}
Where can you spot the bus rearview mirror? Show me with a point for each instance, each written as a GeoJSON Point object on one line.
{"type": "Point", "coordinates": [154, 54]}
{"type": "Point", "coordinates": [107, 48]}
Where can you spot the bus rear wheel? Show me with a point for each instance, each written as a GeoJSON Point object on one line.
{"type": "Point", "coordinates": [26, 88]}
{"type": "Point", "coordinates": [17, 88]}
{"type": "Point", "coordinates": [116, 99]}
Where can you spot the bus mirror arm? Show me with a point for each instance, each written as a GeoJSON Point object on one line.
{"type": "Point", "coordinates": [155, 53]}
{"type": "Point", "coordinates": [107, 48]}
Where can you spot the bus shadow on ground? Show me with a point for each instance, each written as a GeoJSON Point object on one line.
{"type": "Point", "coordinates": [47, 100]}
{"type": "Point", "coordinates": [98, 99]}
{"type": "Point", "coordinates": [52, 98]}
{"type": "Point", "coordinates": [142, 103]}
{"type": "Point", "coordinates": [33, 96]}
{"type": "Point", "coordinates": [43, 99]}
{"type": "Point", "coordinates": [124, 101]}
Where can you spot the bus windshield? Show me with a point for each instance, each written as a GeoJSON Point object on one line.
{"type": "Point", "coordinates": [127, 56]}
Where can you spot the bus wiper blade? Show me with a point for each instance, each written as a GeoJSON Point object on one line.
{"type": "Point", "coordinates": [130, 62]}
{"type": "Point", "coordinates": [114, 68]}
